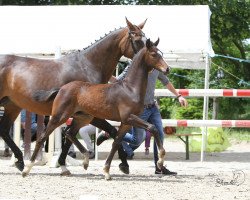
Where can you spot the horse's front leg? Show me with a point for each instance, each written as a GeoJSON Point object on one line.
{"type": "Point", "coordinates": [54, 122]}
{"type": "Point", "coordinates": [115, 145]}
{"type": "Point", "coordinates": [11, 112]}
{"type": "Point", "coordinates": [138, 122]}
{"type": "Point", "coordinates": [39, 143]}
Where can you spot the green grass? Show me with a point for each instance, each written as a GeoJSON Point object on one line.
{"type": "Point", "coordinates": [239, 135]}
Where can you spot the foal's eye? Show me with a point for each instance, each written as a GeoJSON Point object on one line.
{"type": "Point", "coordinates": [154, 54]}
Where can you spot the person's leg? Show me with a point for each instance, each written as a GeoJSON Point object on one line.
{"type": "Point", "coordinates": [156, 119]}
{"type": "Point", "coordinates": [136, 136]}
{"type": "Point", "coordinates": [140, 137]}
{"type": "Point", "coordinates": [129, 137]}
{"type": "Point", "coordinates": [33, 131]}
{"type": "Point", "coordinates": [85, 133]}
{"type": "Point", "coordinates": [147, 142]}
{"type": "Point", "coordinates": [133, 140]}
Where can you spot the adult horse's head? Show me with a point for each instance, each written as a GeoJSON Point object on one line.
{"type": "Point", "coordinates": [133, 40]}
{"type": "Point", "coordinates": [155, 57]}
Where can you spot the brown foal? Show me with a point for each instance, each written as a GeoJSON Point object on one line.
{"type": "Point", "coordinates": [121, 101]}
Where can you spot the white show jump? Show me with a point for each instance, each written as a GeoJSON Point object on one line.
{"type": "Point", "coordinates": [207, 123]}
{"type": "Point", "coordinates": [205, 92]}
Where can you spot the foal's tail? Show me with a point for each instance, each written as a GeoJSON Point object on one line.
{"type": "Point", "coordinates": [43, 95]}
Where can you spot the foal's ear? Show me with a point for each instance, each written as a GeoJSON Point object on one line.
{"type": "Point", "coordinates": [141, 25]}
{"type": "Point", "coordinates": [148, 43]}
{"type": "Point", "coordinates": [130, 25]}
{"type": "Point", "coordinates": [157, 42]}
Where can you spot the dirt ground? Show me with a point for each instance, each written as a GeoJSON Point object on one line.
{"type": "Point", "coordinates": [224, 175]}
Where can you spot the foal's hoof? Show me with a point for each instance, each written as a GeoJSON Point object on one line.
{"type": "Point", "coordinates": [107, 177]}
{"type": "Point", "coordinates": [86, 161]}
{"type": "Point", "coordinates": [124, 168]}
{"type": "Point", "coordinates": [159, 164]}
{"type": "Point", "coordinates": [24, 174]}
{"type": "Point", "coordinates": [85, 166]}
{"type": "Point", "coordinates": [19, 165]}
{"type": "Point", "coordinates": [65, 173]}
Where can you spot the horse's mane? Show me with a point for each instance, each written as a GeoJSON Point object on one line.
{"type": "Point", "coordinates": [102, 37]}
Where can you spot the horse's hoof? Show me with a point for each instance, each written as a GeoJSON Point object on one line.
{"type": "Point", "coordinates": [24, 174]}
{"type": "Point", "coordinates": [124, 168]}
{"type": "Point", "coordinates": [19, 165]}
{"type": "Point", "coordinates": [65, 173]}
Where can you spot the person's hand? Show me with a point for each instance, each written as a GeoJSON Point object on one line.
{"type": "Point", "coordinates": [182, 101]}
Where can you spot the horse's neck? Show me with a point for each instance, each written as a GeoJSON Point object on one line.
{"type": "Point", "coordinates": [104, 55]}
{"type": "Point", "coordinates": [137, 77]}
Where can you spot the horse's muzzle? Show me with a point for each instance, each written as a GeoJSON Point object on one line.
{"type": "Point", "coordinates": [167, 70]}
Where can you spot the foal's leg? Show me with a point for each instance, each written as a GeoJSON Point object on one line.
{"type": "Point", "coordinates": [117, 142]}
{"type": "Point", "coordinates": [104, 125]}
{"type": "Point", "coordinates": [138, 122]}
{"type": "Point", "coordinates": [11, 112]}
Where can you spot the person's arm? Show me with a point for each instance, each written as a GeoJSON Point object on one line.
{"type": "Point", "coordinates": [180, 98]}
{"type": "Point", "coordinates": [165, 81]}
{"type": "Point", "coordinates": [121, 76]}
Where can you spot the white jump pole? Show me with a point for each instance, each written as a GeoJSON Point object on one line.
{"type": "Point", "coordinates": [205, 92]}
{"type": "Point", "coordinates": [208, 123]}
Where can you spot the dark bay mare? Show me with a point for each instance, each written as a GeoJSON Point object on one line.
{"type": "Point", "coordinates": [21, 77]}
{"type": "Point", "coordinates": [121, 101]}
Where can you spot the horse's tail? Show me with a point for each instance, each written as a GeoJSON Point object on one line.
{"type": "Point", "coordinates": [43, 95]}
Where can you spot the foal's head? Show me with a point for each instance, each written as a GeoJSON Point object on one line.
{"type": "Point", "coordinates": [153, 57]}
{"type": "Point", "coordinates": [134, 39]}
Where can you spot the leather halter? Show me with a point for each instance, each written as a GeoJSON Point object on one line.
{"type": "Point", "coordinates": [132, 42]}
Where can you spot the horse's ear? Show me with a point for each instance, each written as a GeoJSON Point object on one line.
{"type": "Point", "coordinates": [141, 25]}
{"type": "Point", "coordinates": [129, 24]}
{"type": "Point", "coordinates": [148, 43]}
{"type": "Point", "coordinates": [157, 42]}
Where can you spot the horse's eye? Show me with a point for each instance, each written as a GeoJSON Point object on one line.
{"type": "Point", "coordinates": [133, 33]}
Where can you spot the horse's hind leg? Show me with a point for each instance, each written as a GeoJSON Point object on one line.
{"type": "Point", "coordinates": [11, 112]}
{"type": "Point", "coordinates": [104, 125]}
